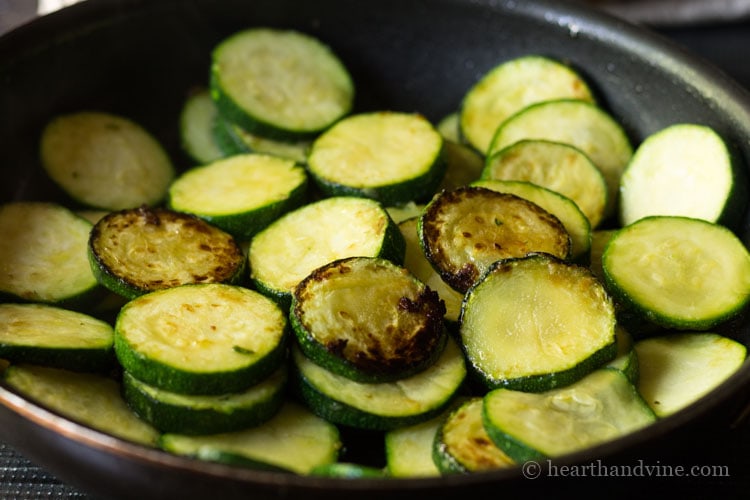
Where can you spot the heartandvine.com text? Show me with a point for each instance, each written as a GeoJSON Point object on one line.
{"type": "Point", "coordinates": [641, 469]}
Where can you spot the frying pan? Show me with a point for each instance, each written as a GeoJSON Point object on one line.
{"type": "Point", "coordinates": [140, 59]}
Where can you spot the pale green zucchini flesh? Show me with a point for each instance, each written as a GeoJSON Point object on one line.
{"type": "Point", "coordinates": [299, 242]}
{"type": "Point", "coordinates": [381, 406]}
{"type": "Point", "coordinates": [279, 83]}
{"type": "Point", "coordinates": [52, 336]}
{"type": "Point", "coordinates": [240, 194]}
{"type": "Point", "coordinates": [43, 255]}
{"type": "Point", "coordinates": [89, 399]}
{"type": "Point", "coordinates": [388, 156]}
{"type": "Point", "coordinates": [89, 153]}
{"type": "Point", "coordinates": [201, 339]}
{"type": "Point", "coordinates": [559, 167]}
{"type": "Point", "coordinates": [512, 86]}
{"type": "Point", "coordinates": [678, 369]}
{"type": "Point", "coordinates": [294, 440]}
{"type": "Point", "coordinates": [678, 272]}
{"type": "Point", "coordinates": [601, 407]}
{"type": "Point", "coordinates": [537, 323]}
{"type": "Point", "coordinates": [682, 170]}
{"type": "Point", "coordinates": [581, 124]}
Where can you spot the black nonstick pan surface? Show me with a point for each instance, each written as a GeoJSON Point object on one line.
{"type": "Point", "coordinates": [141, 58]}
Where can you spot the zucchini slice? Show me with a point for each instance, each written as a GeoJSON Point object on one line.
{"type": "Point", "coordinates": [626, 359]}
{"type": "Point", "coordinates": [105, 161]}
{"type": "Point", "coordinates": [685, 170]}
{"type": "Point", "coordinates": [199, 414]}
{"type": "Point", "coordinates": [573, 219]}
{"type": "Point", "coordinates": [201, 339]}
{"type": "Point", "coordinates": [197, 121]}
{"type": "Point", "coordinates": [536, 323]}
{"type": "Point", "coordinates": [400, 213]}
{"type": "Point", "coordinates": [347, 470]}
{"type": "Point", "coordinates": [47, 335]}
{"type": "Point", "coordinates": [141, 250]}
{"type": "Point", "coordinates": [462, 232]}
{"type": "Point", "coordinates": [294, 440]}
{"type": "Point", "coordinates": [279, 84]}
{"type": "Point", "coordinates": [299, 242]}
{"type": "Point", "coordinates": [337, 327]}
{"type": "Point", "coordinates": [678, 272]}
{"type": "Point", "coordinates": [462, 445]}
{"type": "Point", "coordinates": [678, 369]}
{"type": "Point", "coordinates": [533, 426]}
{"type": "Point", "coordinates": [89, 399]}
{"type": "Point", "coordinates": [241, 194]}
{"type": "Point", "coordinates": [388, 156]}
{"type": "Point", "coordinates": [234, 140]}
{"type": "Point", "coordinates": [417, 263]}
{"type": "Point", "coordinates": [599, 240]}
{"type": "Point", "coordinates": [449, 127]}
{"type": "Point", "coordinates": [43, 255]}
{"type": "Point", "coordinates": [382, 406]}
{"type": "Point", "coordinates": [463, 166]}
{"type": "Point", "coordinates": [408, 449]}
{"type": "Point", "coordinates": [511, 86]}
{"type": "Point", "coordinates": [559, 167]}
{"type": "Point", "coordinates": [580, 124]}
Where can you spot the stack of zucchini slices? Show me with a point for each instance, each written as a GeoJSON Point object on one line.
{"type": "Point", "coordinates": [502, 286]}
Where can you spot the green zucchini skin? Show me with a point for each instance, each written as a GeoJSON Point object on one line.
{"type": "Point", "coordinates": [358, 350]}
{"type": "Point", "coordinates": [205, 415]}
